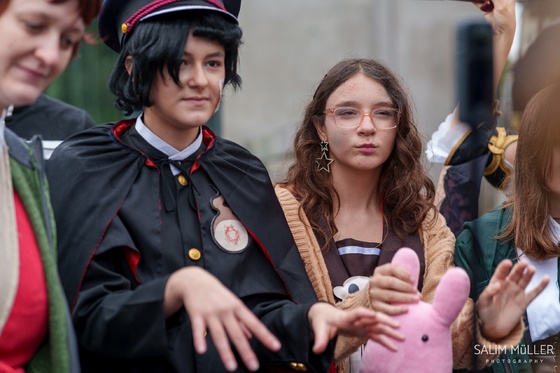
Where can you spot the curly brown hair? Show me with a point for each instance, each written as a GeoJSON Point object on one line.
{"type": "Point", "coordinates": [405, 188]}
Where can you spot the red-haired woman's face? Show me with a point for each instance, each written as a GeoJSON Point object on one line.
{"type": "Point", "coordinates": [37, 43]}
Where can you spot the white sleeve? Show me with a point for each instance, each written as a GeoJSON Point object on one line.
{"type": "Point", "coordinates": [444, 140]}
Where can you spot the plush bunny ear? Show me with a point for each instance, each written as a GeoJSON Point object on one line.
{"type": "Point", "coordinates": [406, 257]}
{"type": "Point", "coordinates": [451, 294]}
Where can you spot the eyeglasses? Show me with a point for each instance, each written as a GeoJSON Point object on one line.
{"type": "Point", "coordinates": [348, 117]}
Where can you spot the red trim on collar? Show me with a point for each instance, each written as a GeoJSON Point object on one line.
{"type": "Point", "coordinates": [122, 126]}
{"type": "Point", "coordinates": [151, 163]}
{"type": "Point", "coordinates": [208, 138]}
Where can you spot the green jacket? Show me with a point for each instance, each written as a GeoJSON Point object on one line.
{"type": "Point", "coordinates": [479, 252]}
{"type": "Point", "coordinates": [59, 352]}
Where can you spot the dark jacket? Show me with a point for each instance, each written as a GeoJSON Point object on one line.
{"type": "Point", "coordinates": [117, 213]}
{"type": "Point", "coordinates": [51, 118]}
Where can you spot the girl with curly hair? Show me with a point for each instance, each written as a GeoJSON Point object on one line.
{"type": "Point", "coordinates": [357, 192]}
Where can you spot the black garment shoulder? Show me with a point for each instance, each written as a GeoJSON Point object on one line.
{"type": "Point", "coordinates": [50, 118]}
{"type": "Point", "coordinates": [91, 173]}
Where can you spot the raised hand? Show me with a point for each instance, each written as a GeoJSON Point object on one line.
{"type": "Point", "coordinates": [392, 284]}
{"type": "Point", "coordinates": [214, 309]}
{"type": "Point", "coordinates": [327, 321]}
{"type": "Point", "coordinates": [502, 19]}
{"type": "Point", "coordinates": [504, 300]}
{"type": "Point", "coordinates": [502, 16]}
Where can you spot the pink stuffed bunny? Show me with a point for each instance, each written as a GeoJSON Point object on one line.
{"type": "Point", "coordinates": [427, 347]}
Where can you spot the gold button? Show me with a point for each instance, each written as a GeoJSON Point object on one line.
{"type": "Point", "coordinates": [182, 180]}
{"type": "Point", "coordinates": [299, 367]}
{"type": "Point", "coordinates": [194, 254]}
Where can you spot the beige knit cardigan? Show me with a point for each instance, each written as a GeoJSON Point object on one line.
{"type": "Point", "coordinates": [438, 242]}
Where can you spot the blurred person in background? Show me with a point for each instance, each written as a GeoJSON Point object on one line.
{"type": "Point", "coordinates": [526, 228]}
{"type": "Point", "coordinates": [488, 151]}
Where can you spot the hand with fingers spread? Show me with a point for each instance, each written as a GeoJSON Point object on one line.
{"type": "Point", "coordinates": [215, 309]}
{"type": "Point", "coordinates": [504, 300]}
{"type": "Point", "coordinates": [327, 321]}
{"type": "Point", "coordinates": [391, 284]}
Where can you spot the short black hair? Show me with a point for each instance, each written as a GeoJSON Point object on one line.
{"type": "Point", "coordinates": [158, 44]}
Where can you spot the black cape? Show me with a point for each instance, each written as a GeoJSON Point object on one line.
{"type": "Point", "coordinates": [91, 174]}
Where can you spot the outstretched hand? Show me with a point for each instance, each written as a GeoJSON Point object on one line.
{"type": "Point", "coordinates": [214, 309]}
{"type": "Point", "coordinates": [504, 300]}
{"type": "Point", "coordinates": [327, 321]}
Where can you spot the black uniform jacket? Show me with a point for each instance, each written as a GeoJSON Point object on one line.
{"type": "Point", "coordinates": [125, 223]}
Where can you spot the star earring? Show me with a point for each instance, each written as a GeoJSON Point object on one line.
{"type": "Point", "coordinates": [324, 158]}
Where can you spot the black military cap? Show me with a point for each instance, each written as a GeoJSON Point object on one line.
{"type": "Point", "coordinates": [118, 17]}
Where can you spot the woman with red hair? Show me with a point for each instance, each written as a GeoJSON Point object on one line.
{"type": "Point", "coordinates": [39, 39]}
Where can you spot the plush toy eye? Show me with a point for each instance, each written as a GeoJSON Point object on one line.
{"type": "Point", "coordinates": [425, 338]}
{"type": "Point", "coordinates": [351, 285]}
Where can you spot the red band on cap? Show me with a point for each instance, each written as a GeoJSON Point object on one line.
{"type": "Point", "coordinates": [217, 3]}
{"type": "Point", "coordinates": [149, 8]}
